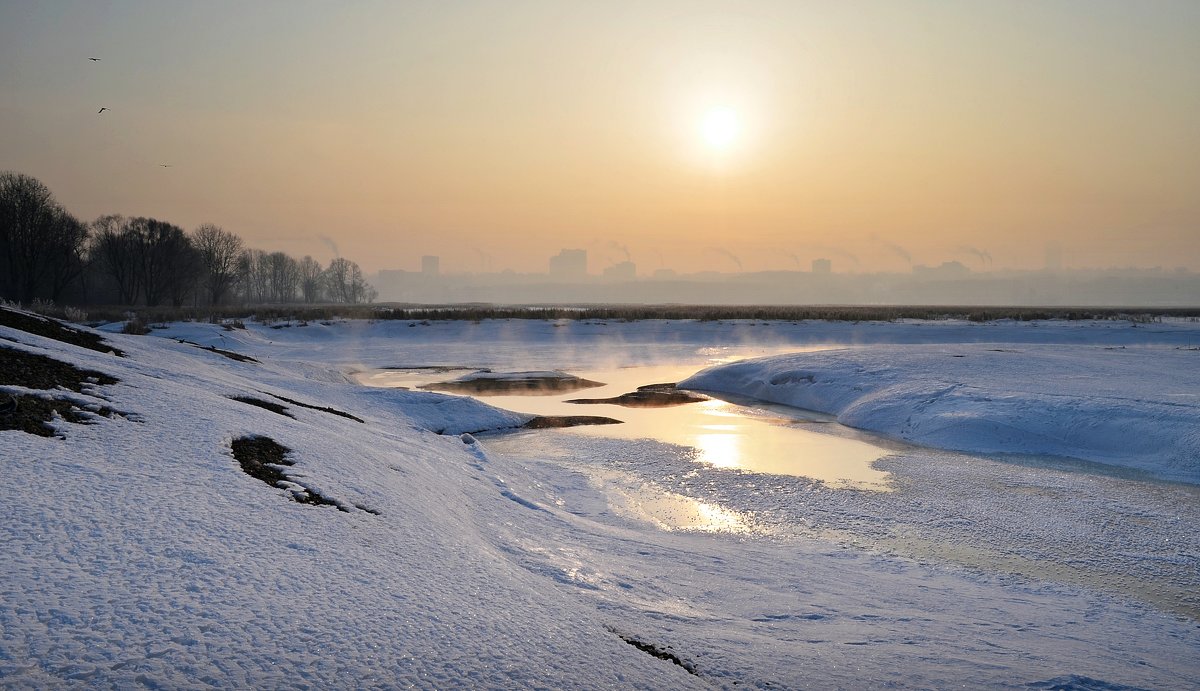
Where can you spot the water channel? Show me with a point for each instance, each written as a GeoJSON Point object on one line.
{"type": "Point", "coordinates": [752, 468]}
{"type": "Point", "coordinates": [746, 435]}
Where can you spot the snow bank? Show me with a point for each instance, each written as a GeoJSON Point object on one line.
{"type": "Point", "coordinates": [1137, 407]}
{"type": "Point", "coordinates": [441, 413]}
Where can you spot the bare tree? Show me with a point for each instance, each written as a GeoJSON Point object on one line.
{"type": "Point", "coordinates": [365, 292]}
{"type": "Point", "coordinates": [166, 261]}
{"type": "Point", "coordinates": [40, 243]}
{"type": "Point", "coordinates": [253, 275]}
{"type": "Point", "coordinates": [284, 274]}
{"type": "Point", "coordinates": [337, 279]}
{"type": "Point", "coordinates": [310, 279]}
{"type": "Point", "coordinates": [114, 251]}
{"type": "Point", "coordinates": [219, 251]}
{"type": "Point", "coordinates": [187, 270]}
{"type": "Point", "coordinates": [64, 253]}
{"type": "Point", "coordinates": [44, 250]}
{"type": "Point", "coordinates": [345, 282]}
{"type": "Point", "coordinates": [146, 257]}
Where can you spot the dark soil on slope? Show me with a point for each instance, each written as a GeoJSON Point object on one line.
{"type": "Point", "coordinates": [264, 458]}
{"type": "Point", "coordinates": [227, 353]}
{"type": "Point", "coordinates": [52, 328]}
{"type": "Point", "coordinates": [323, 409]}
{"type": "Point", "coordinates": [33, 414]}
{"type": "Point", "coordinates": [34, 371]}
{"type": "Point", "coordinates": [265, 405]}
{"type": "Point", "coordinates": [282, 410]}
{"type": "Point", "coordinates": [657, 651]}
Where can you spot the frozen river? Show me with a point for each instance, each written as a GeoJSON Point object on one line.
{"type": "Point", "coordinates": [745, 435]}
{"type": "Point", "coordinates": [776, 472]}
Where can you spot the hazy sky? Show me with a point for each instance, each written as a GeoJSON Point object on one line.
{"type": "Point", "coordinates": [692, 135]}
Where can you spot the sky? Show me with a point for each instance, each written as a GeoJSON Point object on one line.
{"type": "Point", "coordinates": [689, 135]}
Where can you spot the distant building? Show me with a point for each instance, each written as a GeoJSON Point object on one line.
{"type": "Point", "coordinates": [822, 266]}
{"type": "Point", "coordinates": [665, 274]}
{"type": "Point", "coordinates": [431, 265]}
{"type": "Point", "coordinates": [946, 270]}
{"type": "Point", "coordinates": [621, 271]}
{"type": "Point", "coordinates": [569, 264]}
{"type": "Point", "coordinates": [392, 284]}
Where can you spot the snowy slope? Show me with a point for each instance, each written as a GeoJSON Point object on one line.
{"type": "Point", "coordinates": [1131, 406]}
{"type": "Point", "coordinates": [137, 552]}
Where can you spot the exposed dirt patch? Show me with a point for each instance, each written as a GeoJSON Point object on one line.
{"type": "Point", "coordinates": [265, 405]}
{"type": "Point", "coordinates": [555, 421]}
{"type": "Point", "coordinates": [323, 409]}
{"type": "Point", "coordinates": [649, 396]}
{"type": "Point", "coordinates": [514, 383]}
{"type": "Point", "coordinates": [34, 371]}
{"type": "Point", "coordinates": [33, 414]}
{"type": "Point", "coordinates": [656, 651]}
{"type": "Point", "coordinates": [262, 458]}
{"type": "Point", "coordinates": [258, 457]}
{"type": "Point", "coordinates": [52, 328]}
{"type": "Point", "coordinates": [227, 353]}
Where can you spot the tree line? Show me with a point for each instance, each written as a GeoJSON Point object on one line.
{"type": "Point", "coordinates": [48, 254]}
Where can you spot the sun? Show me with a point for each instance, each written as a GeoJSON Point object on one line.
{"type": "Point", "coordinates": [720, 128]}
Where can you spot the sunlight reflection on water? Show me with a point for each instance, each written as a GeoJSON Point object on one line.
{"type": "Point", "coordinates": [751, 437]}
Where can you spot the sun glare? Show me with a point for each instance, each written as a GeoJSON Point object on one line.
{"type": "Point", "coordinates": [720, 129]}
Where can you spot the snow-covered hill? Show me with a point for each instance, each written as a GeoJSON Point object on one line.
{"type": "Point", "coordinates": [137, 551]}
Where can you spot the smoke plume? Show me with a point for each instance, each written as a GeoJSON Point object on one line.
{"type": "Point", "coordinates": [894, 249]}
{"type": "Point", "coordinates": [330, 244]}
{"type": "Point", "coordinates": [984, 257]}
{"type": "Point", "coordinates": [728, 255]}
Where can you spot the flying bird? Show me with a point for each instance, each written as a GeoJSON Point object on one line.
{"type": "Point", "coordinates": [101, 111]}
{"type": "Point", "coordinates": [94, 59]}
{"type": "Point", "coordinates": [164, 165]}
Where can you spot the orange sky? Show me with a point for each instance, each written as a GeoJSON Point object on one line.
{"type": "Point", "coordinates": [494, 134]}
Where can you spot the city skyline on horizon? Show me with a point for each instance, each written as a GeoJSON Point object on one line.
{"type": "Point", "coordinates": [603, 265]}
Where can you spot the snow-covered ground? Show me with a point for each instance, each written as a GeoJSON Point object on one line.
{"type": "Point", "coordinates": [136, 551]}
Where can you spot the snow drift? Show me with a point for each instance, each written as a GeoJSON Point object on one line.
{"type": "Point", "coordinates": [1137, 407]}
